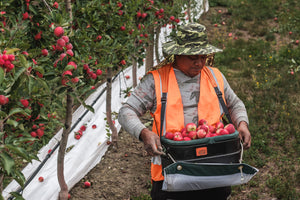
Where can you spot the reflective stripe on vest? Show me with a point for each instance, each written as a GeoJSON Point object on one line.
{"type": "Point", "coordinates": [174, 116]}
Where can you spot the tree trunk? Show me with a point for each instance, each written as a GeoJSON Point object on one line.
{"type": "Point", "coordinates": [63, 194]}
{"type": "Point", "coordinates": [189, 11]}
{"type": "Point", "coordinates": [69, 8]}
{"type": "Point", "coordinates": [149, 50]}
{"type": "Point", "coordinates": [1, 175]}
{"type": "Point", "coordinates": [156, 42]}
{"type": "Point", "coordinates": [134, 71]}
{"type": "Point", "coordinates": [134, 68]}
{"type": "Point", "coordinates": [112, 127]}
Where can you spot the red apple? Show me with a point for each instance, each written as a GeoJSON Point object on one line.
{"type": "Point", "coordinates": [177, 136]}
{"type": "Point", "coordinates": [39, 132]}
{"type": "Point", "coordinates": [205, 127]}
{"type": "Point", "coordinates": [3, 100]}
{"type": "Point", "coordinates": [222, 131]}
{"type": "Point", "coordinates": [183, 129]}
{"type": "Point", "coordinates": [87, 184]}
{"type": "Point", "coordinates": [187, 139]}
{"type": "Point", "coordinates": [122, 28]}
{"type": "Point", "coordinates": [184, 134]}
{"type": "Point", "coordinates": [230, 128]}
{"type": "Point", "coordinates": [202, 121]}
{"type": "Point", "coordinates": [201, 133]}
{"type": "Point", "coordinates": [33, 134]}
{"type": "Point", "coordinates": [41, 179]}
{"type": "Point", "coordinates": [211, 134]}
{"type": "Point", "coordinates": [169, 135]}
{"type": "Point", "coordinates": [219, 125]}
{"type": "Point", "coordinates": [190, 127]}
{"type": "Point", "coordinates": [212, 128]}
{"type": "Point", "coordinates": [192, 135]}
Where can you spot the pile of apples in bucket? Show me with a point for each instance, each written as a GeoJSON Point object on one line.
{"type": "Point", "coordinates": [204, 130]}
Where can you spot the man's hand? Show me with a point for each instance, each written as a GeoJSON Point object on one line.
{"type": "Point", "coordinates": [151, 142]}
{"type": "Point", "coordinates": [244, 134]}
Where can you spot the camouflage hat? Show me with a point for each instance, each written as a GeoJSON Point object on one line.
{"type": "Point", "coordinates": [191, 39]}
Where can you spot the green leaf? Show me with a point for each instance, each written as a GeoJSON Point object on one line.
{"type": "Point", "coordinates": [90, 108]}
{"type": "Point", "coordinates": [39, 69]}
{"type": "Point", "coordinates": [11, 51]}
{"type": "Point", "coordinates": [45, 85]}
{"type": "Point", "coordinates": [12, 122]}
{"type": "Point", "coordinates": [31, 84]}
{"type": "Point", "coordinates": [23, 61]}
{"type": "Point", "coordinates": [2, 114]}
{"type": "Point", "coordinates": [1, 75]}
{"type": "Point", "coordinates": [21, 127]}
{"type": "Point", "coordinates": [22, 139]}
{"type": "Point", "coordinates": [19, 72]}
{"type": "Point", "coordinates": [69, 67]}
{"type": "Point", "coordinates": [17, 195]}
{"type": "Point", "coordinates": [61, 90]}
{"type": "Point", "coordinates": [16, 110]}
{"type": "Point", "coordinates": [7, 161]}
{"type": "Point", "coordinates": [18, 151]}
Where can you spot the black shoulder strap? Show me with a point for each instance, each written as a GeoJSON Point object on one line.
{"type": "Point", "coordinates": [219, 94]}
{"type": "Point", "coordinates": [214, 82]}
{"type": "Point", "coordinates": [163, 111]}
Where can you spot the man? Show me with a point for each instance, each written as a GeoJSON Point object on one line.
{"type": "Point", "coordinates": [190, 97]}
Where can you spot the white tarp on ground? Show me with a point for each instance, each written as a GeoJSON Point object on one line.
{"type": "Point", "coordinates": [87, 152]}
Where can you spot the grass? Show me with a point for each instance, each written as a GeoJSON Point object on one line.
{"type": "Point", "coordinates": [258, 66]}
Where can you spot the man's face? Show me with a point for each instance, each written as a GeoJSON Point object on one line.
{"type": "Point", "coordinates": [190, 65]}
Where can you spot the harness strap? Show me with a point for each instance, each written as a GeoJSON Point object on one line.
{"type": "Point", "coordinates": [164, 78]}
{"type": "Point", "coordinates": [213, 81]}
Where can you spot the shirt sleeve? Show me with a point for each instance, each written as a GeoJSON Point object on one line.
{"type": "Point", "coordinates": [143, 98]}
{"type": "Point", "coordinates": [236, 107]}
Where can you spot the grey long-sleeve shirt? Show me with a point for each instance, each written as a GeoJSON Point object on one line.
{"type": "Point", "coordinates": [144, 98]}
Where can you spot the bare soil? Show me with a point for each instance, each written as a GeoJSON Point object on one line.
{"type": "Point", "coordinates": [122, 174]}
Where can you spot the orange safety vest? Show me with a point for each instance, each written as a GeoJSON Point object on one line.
{"type": "Point", "coordinates": [208, 105]}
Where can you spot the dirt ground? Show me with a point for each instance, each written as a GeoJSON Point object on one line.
{"type": "Point", "coordinates": [122, 174]}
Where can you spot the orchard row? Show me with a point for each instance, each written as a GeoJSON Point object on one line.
{"type": "Point", "coordinates": [51, 51]}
